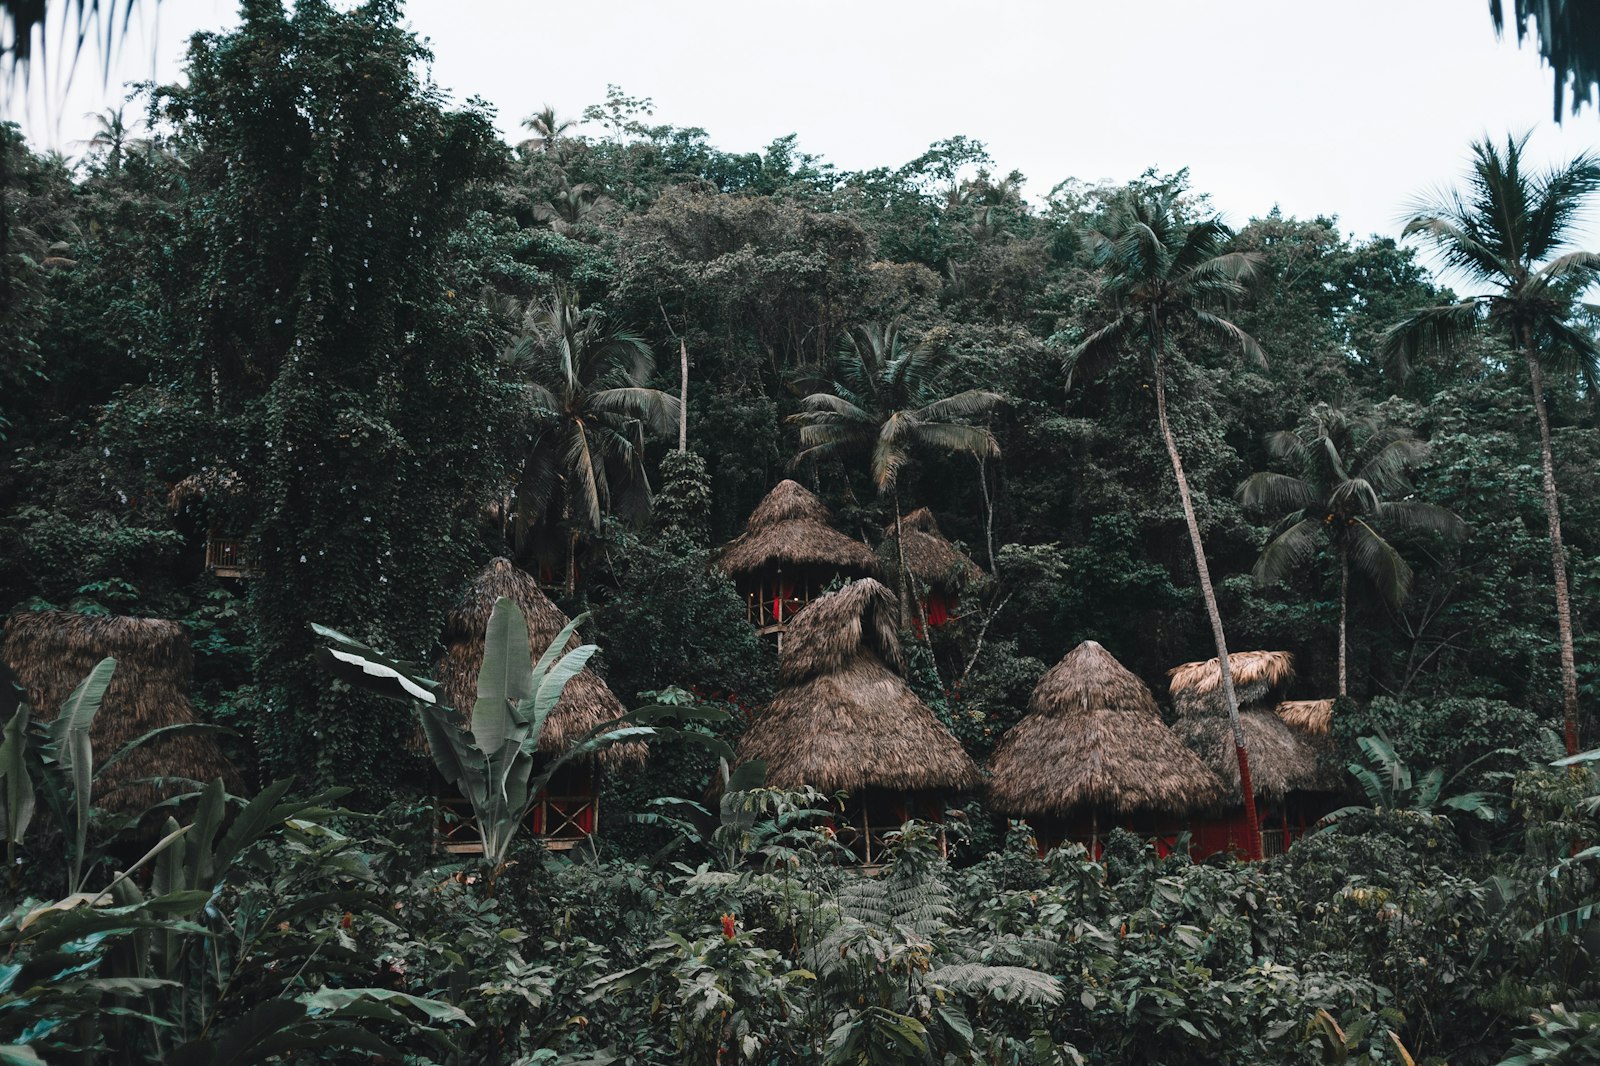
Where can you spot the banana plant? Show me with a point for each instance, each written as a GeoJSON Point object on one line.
{"type": "Point", "coordinates": [494, 761]}
{"type": "Point", "coordinates": [1391, 788]}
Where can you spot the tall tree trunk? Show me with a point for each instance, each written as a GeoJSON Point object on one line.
{"type": "Point", "coordinates": [683, 396]}
{"type": "Point", "coordinates": [1558, 554]}
{"type": "Point", "coordinates": [1344, 610]}
{"type": "Point", "coordinates": [900, 552]}
{"type": "Point", "coordinates": [1246, 786]}
{"type": "Point", "coordinates": [988, 512]}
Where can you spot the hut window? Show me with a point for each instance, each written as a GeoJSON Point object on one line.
{"type": "Point", "coordinates": [231, 556]}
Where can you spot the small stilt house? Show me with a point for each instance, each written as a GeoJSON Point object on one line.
{"type": "Point", "coordinates": [938, 571]}
{"type": "Point", "coordinates": [1283, 766]}
{"type": "Point", "coordinates": [569, 809]}
{"type": "Point", "coordinates": [845, 720]}
{"type": "Point", "coordinates": [51, 652]}
{"type": "Point", "coordinates": [222, 501]}
{"type": "Point", "coordinates": [1093, 754]}
{"type": "Point", "coordinates": [788, 554]}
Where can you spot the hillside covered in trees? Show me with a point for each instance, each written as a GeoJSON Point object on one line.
{"type": "Point", "coordinates": [295, 342]}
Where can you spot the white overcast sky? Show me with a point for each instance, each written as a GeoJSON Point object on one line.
{"type": "Point", "coordinates": [1344, 108]}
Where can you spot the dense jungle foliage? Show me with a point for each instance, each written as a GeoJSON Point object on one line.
{"type": "Point", "coordinates": [304, 298]}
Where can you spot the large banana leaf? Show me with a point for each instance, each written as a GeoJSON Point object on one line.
{"type": "Point", "coordinates": [504, 680]}
{"type": "Point", "coordinates": [70, 734]}
{"type": "Point", "coordinates": [18, 794]}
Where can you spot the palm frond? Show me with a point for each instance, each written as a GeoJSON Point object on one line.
{"type": "Point", "coordinates": [1414, 516]}
{"type": "Point", "coordinates": [1247, 344]}
{"type": "Point", "coordinates": [1288, 552]}
{"type": "Point", "coordinates": [656, 409]}
{"type": "Point", "coordinates": [1430, 330]}
{"type": "Point", "coordinates": [961, 405]}
{"type": "Point", "coordinates": [1378, 561]}
{"type": "Point", "coordinates": [1090, 357]}
{"type": "Point", "coordinates": [1276, 493]}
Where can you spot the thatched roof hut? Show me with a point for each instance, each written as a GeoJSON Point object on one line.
{"type": "Point", "coordinates": [1093, 738]}
{"type": "Point", "coordinates": [1280, 761]}
{"type": "Point", "coordinates": [789, 530]}
{"type": "Point", "coordinates": [1258, 678]}
{"type": "Point", "coordinates": [51, 652]}
{"type": "Point", "coordinates": [585, 703]}
{"type": "Point", "coordinates": [930, 558]}
{"type": "Point", "coordinates": [1312, 717]}
{"type": "Point", "coordinates": [845, 719]}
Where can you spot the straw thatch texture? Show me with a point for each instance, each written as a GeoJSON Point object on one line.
{"type": "Point", "coordinates": [1258, 677]}
{"type": "Point", "coordinates": [1093, 738]}
{"type": "Point", "coordinates": [1280, 761]}
{"type": "Point", "coordinates": [585, 703]}
{"type": "Point", "coordinates": [934, 561]}
{"type": "Point", "coordinates": [1312, 717]}
{"type": "Point", "coordinates": [845, 719]}
{"type": "Point", "coordinates": [51, 652]}
{"type": "Point", "coordinates": [790, 529]}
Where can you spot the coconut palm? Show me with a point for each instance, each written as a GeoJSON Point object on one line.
{"type": "Point", "coordinates": [1510, 232]}
{"type": "Point", "coordinates": [585, 381]}
{"type": "Point", "coordinates": [889, 399]}
{"type": "Point", "coordinates": [1348, 467]}
{"type": "Point", "coordinates": [547, 126]}
{"type": "Point", "coordinates": [1161, 278]}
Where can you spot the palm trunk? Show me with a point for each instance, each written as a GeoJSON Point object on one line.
{"type": "Point", "coordinates": [1558, 555]}
{"type": "Point", "coordinates": [1344, 610]}
{"type": "Point", "coordinates": [1246, 786]}
{"type": "Point", "coordinates": [900, 552]}
{"type": "Point", "coordinates": [683, 396]}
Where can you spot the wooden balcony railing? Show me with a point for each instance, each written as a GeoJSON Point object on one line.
{"type": "Point", "coordinates": [231, 557]}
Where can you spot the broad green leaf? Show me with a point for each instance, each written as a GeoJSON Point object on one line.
{"type": "Point", "coordinates": [336, 999]}
{"type": "Point", "coordinates": [18, 795]}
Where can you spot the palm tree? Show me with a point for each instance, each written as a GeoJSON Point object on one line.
{"type": "Point", "coordinates": [547, 126]}
{"type": "Point", "coordinates": [889, 399]}
{"type": "Point", "coordinates": [1348, 466]}
{"type": "Point", "coordinates": [110, 136]}
{"type": "Point", "coordinates": [1510, 232]}
{"type": "Point", "coordinates": [586, 382]}
{"type": "Point", "coordinates": [1161, 277]}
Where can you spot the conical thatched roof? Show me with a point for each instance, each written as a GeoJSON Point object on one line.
{"type": "Point", "coordinates": [51, 652]}
{"type": "Point", "coordinates": [1311, 717]}
{"type": "Point", "coordinates": [1258, 677]}
{"type": "Point", "coordinates": [585, 703]}
{"type": "Point", "coordinates": [845, 719]}
{"type": "Point", "coordinates": [790, 529]}
{"type": "Point", "coordinates": [1093, 738]}
{"type": "Point", "coordinates": [1280, 761]}
{"type": "Point", "coordinates": [933, 560]}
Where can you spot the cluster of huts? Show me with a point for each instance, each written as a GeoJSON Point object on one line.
{"type": "Point", "coordinates": [1093, 752]}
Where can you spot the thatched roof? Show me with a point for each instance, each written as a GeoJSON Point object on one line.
{"type": "Point", "coordinates": [51, 652]}
{"type": "Point", "coordinates": [1280, 761]}
{"type": "Point", "coordinates": [845, 719]}
{"type": "Point", "coordinates": [933, 560]}
{"type": "Point", "coordinates": [1258, 678]}
{"type": "Point", "coordinates": [585, 703]}
{"type": "Point", "coordinates": [790, 529]}
{"type": "Point", "coordinates": [1094, 738]}
{"type": "Point", "coordinates": [1311, 717]}
{"type": "Point", "coordinates": [214, 486]}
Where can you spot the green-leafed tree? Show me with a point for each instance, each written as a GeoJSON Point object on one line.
{"type": "Point", "coordinates": [1510, 229]}
{"type": "Point", "coordinates": [586, 383]}
{"type": "Point", "coordinates": [1161, 278]}
{"type": "Point", "coordinates": [1348, 468]}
